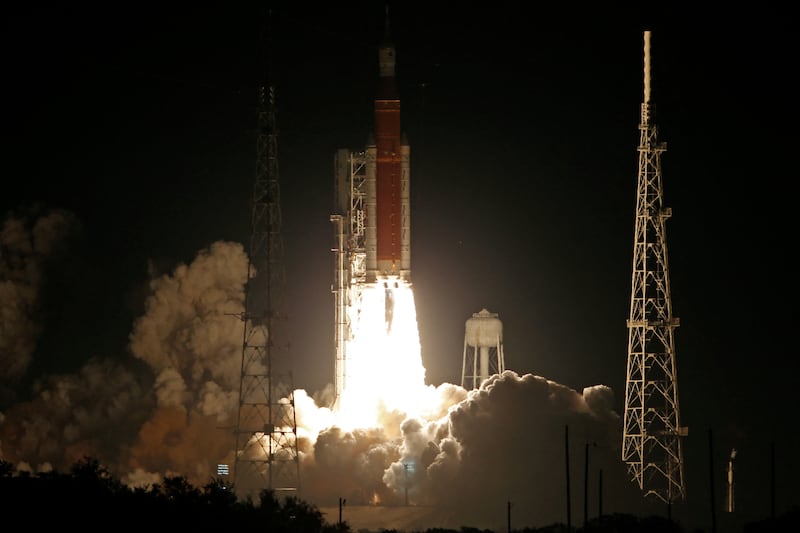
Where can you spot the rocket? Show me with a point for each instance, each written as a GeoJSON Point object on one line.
{"type": "Point", "coordinates": [388, 209]}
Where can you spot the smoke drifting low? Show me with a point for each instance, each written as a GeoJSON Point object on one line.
{"type": "Point", "coordinates": [29, 242]}
{"type": "Point", "coordinates": [168, 407]}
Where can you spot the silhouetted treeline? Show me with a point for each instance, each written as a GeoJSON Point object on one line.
{"type": "Point", "coordinates": [90, 498]}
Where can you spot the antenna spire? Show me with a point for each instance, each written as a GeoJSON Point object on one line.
{"type": "Point", "coordinates": [646, 67]}
{"type": "Point", "coordinates": [652, 431]}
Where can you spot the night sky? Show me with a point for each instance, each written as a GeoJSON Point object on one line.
{"type": "Point", "coordinates": [140, 122]}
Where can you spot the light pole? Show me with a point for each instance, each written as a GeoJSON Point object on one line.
{"type": "Point", "coordinates": [585, 485]}
{"type": "Point", "coordinates": [405, 467]}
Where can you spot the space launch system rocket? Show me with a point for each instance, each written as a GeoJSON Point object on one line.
{"type": "Point", "coordinates": [373, 216]}
{"type": "Point", "coordinates": [388, 209]}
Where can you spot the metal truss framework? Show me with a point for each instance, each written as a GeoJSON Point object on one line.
{"type": "Point", "coordinates": [652, 433]}
{"type": "Point", "coordinates": [350, 270]}
{"type": "Point", "coordinates": [266, 427]}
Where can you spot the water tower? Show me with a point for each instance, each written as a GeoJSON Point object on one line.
{"type": "Point", "coordinates": [483, 349]}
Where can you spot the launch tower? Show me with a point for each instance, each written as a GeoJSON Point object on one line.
{"type": "Point", "coordinates": [651, 442]}
{"type": "Point", "coordinates": [266, 426]}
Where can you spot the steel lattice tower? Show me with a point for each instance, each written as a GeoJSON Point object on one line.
{"type": "Point", "coordinates": [350, 273]}
{"type": "Point", "coordinates": [266, 427]}
{"type": "Point", "coordinates": [651, 442]}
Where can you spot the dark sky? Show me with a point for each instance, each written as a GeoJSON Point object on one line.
{"type": "Point", "coordinates": [523, 130]}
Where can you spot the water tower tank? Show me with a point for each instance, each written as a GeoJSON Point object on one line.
{"type": "Point", "coordinates": [483, 349]}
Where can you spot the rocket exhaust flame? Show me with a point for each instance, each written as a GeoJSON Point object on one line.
{"type": "Point", "coordinates": [389, 303]}
{"type": "Point", "coordinates": [384, 363]}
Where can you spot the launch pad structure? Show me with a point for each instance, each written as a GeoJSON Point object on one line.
{"type": "Point", "coordinates": [652, 433]}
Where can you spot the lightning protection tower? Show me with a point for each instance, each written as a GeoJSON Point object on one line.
{"type": "Point", "coordinates": [651, 442]}
{"type": "Point", "coordinates": [266, 427]}
{"type": "Point", "coordinates": [483, 349]}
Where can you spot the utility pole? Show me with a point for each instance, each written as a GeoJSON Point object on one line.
{"type": "Point", "coordinates": [600, 494]}
{"type": "Point", "coordinates": [566, 458]}
{"type": "Point", "coordinates": [586, 485]}
{"type": "Point", "coordinates": [712, 498]}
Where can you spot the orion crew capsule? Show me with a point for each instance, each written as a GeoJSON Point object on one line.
{"type": "Point", "coordinates": [388, 225]}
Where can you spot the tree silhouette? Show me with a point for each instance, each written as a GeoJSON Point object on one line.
{"type": "Point", "coordinates": [89, 497]}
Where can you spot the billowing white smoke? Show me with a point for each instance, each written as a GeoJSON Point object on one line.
{"type": "Point", "coordinates": [190, 337]}
{"type": "Point", "coordinates": [28, 242]}
{"type": "Point", "coordinates": [164, 417]}
{"type": "Point", "coordinates": [505, 442]}
{"type": "Point", "coordinates": [93, 413]}
{"type": "Point", "coordinates": [169, 410]}
{"type": "Point", "coordinates": [191, 333]}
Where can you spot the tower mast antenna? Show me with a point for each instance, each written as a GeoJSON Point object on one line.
{"type": "Point", "coordinates": [266, 426]}
{"type": "Point", "coordinates": [651, 442]}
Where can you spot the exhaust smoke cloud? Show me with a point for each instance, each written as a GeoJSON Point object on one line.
{"type": "Point", "coordinates": [168, 407]}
